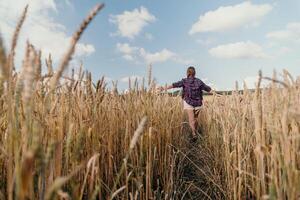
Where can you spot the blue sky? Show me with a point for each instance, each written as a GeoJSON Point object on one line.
{"type": "Point", "coordinates": [226, 41]}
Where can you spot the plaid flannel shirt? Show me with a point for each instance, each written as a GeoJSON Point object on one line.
{"type": "Point", "coordinates": [192, 90]}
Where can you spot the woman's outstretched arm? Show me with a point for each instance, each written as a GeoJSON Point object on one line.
{"type": "Point", "coordinates": [174, 85]}
{"type": "Point", "coordinates": [161, 88]}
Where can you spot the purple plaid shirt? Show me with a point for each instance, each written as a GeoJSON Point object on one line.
{"type": "Point", "coordinates": [192, 90]}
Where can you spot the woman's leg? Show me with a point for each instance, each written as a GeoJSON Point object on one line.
{"type": "Point", "coordinates": [196, 114]}
{"type": "Point", "coordinates": [192, 120]}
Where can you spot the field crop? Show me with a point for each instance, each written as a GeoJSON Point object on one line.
{"type": "Point", "coordinates": [69, 137]}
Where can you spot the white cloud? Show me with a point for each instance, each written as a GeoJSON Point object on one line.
{"type": "Point", "coordinates": [39, 28]}
{"type": "Point", "coordinates": [137, 54]}
{"type": "Point", "coordinates": [126, 48]}
{"type": "Point", "coordinates": [230, 17]}
{"type": "Point", "coordinates": [163, 56]}
{"type": "Point", "coordinates": [129, 52]}
{"type": "Point", "coordinates": [128, 57]}
{"type": "Point", "coordinates": [84, 49]}
{"type": "Point", "coordinates": [131, 23]}
{"type": "Point", "coordinates": [290, 34]}
{"type": "Point", "coordinates": [160, 56]}
{"type": "Point", "coordinates": [243, 50]}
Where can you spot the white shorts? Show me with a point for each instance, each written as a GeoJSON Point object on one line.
{"type": "Point", "coordinates": [187, 106]}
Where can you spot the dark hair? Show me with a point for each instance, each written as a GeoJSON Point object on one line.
{"type": "Point", "coordinates": [191, 72]}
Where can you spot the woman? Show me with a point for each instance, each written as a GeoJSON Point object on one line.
{"type": "Point", "coordinates": [191, 95]}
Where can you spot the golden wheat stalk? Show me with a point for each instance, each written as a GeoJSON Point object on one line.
{"type": "Point", "coordinates": [2, 57]}
{"type": "Point", "coordinates": [59, 182]}
{"type": "Point", "coordinates": [138, 132]}
{"type": "Point", "coordinates": [11, 55]}
{"type": "Point", "coordinates": [66, 59]}
{"type": "Point", "coordinates": [49, 65]}
{"type": "Point", "coordinates": [29, 73]}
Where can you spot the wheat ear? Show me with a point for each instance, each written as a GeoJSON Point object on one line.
{"type": "Point", "coordinates": [2, 56]}
{"type": "Point", "coordinates": [11, 56]}
{"type": "Point", "coordinates": [66, 59]}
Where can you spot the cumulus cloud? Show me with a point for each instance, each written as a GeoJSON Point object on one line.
{"type": "Point", "coordinates": [230, 17]}
{"type": "Point", "coordinates": [291, 33]}
{"type": "Point", "coordinates": [239, 50]}
{"type": "Point", "coordinates": [128, 57]}
{"type": "Point", "coordinates": [84, 49]}
{"type": "Point", "coordinates": [131, 23]}
{"type": "Point", "coordinates": [126, 48]}
{"type": "Point", "coordinates": [129, 52]}
{"type": "Point", "coordinates": [137, 54]}
{"type": "Point", "coordinates": [39, 28]}
{"type": "Point", "coordinates": [160, 56]}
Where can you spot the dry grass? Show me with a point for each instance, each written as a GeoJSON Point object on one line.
{"type": "Point", "coordinates": [77, 140]}
{"type": "Point", "coordinates": [85, 126]}
{"type": "Point", "coordinates": [255, 138]}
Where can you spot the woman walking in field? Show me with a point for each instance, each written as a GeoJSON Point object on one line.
{"type": "Point", "coordinates": [191, 95]}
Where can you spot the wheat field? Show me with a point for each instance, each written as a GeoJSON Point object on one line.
{"type": "Point", "coordinates": [63, 137]}
{"type": "Point", "coordinates": [257, 140]}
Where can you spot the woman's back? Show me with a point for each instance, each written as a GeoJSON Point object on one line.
{"type": "Point", "coordinates": [192, 90]}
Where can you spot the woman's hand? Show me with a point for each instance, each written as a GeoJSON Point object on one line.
{"type": "Point", "coordinates": [214, 92]}
{"type": "Point", "coordinates": [160, 88]}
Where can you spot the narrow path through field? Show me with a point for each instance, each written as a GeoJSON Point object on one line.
{"type": "Point", "coordinates": [199, 174]}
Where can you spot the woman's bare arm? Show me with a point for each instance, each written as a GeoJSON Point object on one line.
{"type": "Point", "coordinates": [177, 84]}
{"type": "Point", "coordinates": [169, 87]}
{"type": "Point", "coordinates": [165, 87]}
